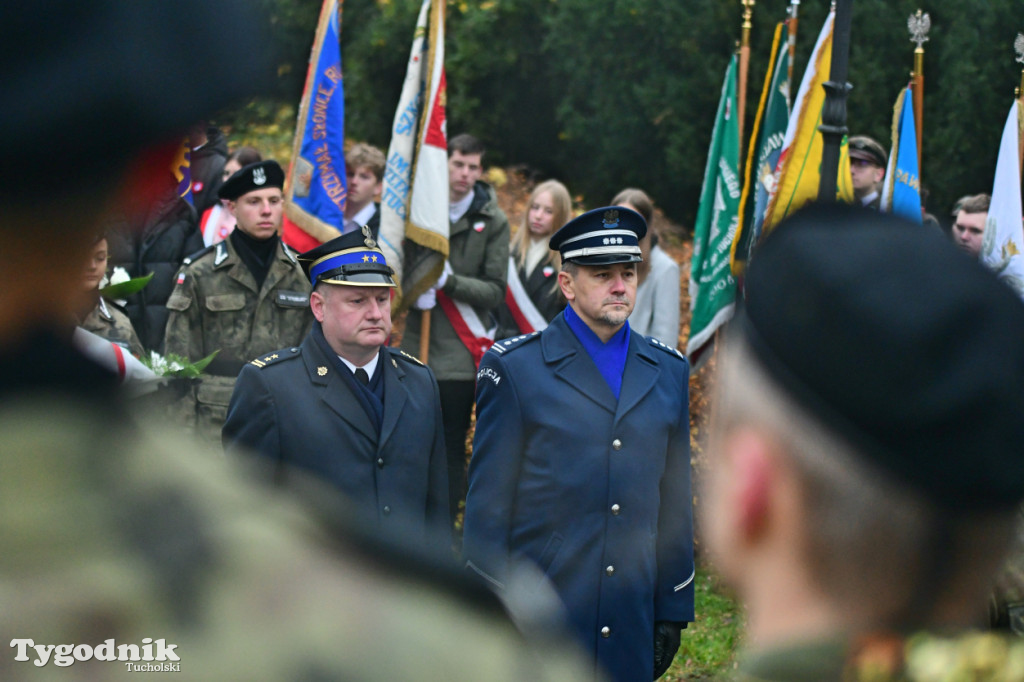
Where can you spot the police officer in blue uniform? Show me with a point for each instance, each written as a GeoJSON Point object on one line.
{"type": "Point", "coordinates": [345, 407]}
{"type": "Point", "coordinates": [581, 459]}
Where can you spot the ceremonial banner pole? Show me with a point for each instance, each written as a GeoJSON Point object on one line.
{"type": "Point", "coordinates": [833, 116]}
{"type": "Point", "coordinates": [741, 96]}
{"type": "Point", "coordinates": [919, 24]}
{"type": "Point", "coordinates": [1018, 45]}
{"type": "Point", "coordinates": [794, 21]}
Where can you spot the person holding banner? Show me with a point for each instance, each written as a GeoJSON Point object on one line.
{"type": "Point", "coordinates": [533, 298]}
{"type": "Point", "coordinates": [469, 290]}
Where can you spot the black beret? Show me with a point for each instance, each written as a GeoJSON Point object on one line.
{"type": "Point", "coordinates": [259, 175]}
{"type": "Point", "coordinates": [353, 259]}
{"type": "Point", "coordinates": [900, 343]}
{"type": "Point", "coordinates": [600, 237]}
{"type": "Point", "coordinates": [87, 85]}
{"type": "Point", "coordinates": [864, 147]}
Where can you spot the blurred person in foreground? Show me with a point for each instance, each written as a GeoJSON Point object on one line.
{"type": "Point", "coordinates": [117, 535]}
{"type": "Point", "coordinates": [865, 453]}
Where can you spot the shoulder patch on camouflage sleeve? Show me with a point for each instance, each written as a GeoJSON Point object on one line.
{"type": "Point", "coordinates": [506, 345]}
{"type": "Point", "coordinates": [276, 356]}
{"type": "Point", "coordinates": [668, 349]}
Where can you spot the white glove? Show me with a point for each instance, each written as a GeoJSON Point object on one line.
{"type": "Point", "coordinates": [427, 300]}
{"type": "Point", "coordinates": [444, 275]}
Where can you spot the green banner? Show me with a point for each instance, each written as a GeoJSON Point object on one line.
{"type": "Point", "coordinates": [712, 286]}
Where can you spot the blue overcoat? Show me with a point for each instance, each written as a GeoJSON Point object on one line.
{"type": "Point", "coordinates": [294, 407]}
{"type": "Point", "coordinates": [595, 491]}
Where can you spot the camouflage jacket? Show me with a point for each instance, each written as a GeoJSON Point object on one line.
{"type": "Point", "coordinates": [920, 657]}
{"type": "Point", "coordinates": [111, 323]}
{"type": "Point", "coordinates": [114, 534]}
{"type": "Point", "coordinates": [216, 306]}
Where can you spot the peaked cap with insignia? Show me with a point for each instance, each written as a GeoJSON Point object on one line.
{"type": "Point", "coordinates": [352, 259]}
{"type": "Point", "coordinates": [601, 237]}
{"type": "Point", "coordinates": [259, 175]}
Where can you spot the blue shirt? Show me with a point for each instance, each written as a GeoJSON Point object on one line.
{"type": "Point", "coordinates": [610, 357]}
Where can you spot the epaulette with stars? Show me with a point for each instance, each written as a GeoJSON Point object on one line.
{"type": "Point", "coordinates": [668, 349]}
{"type": "Point", "coordinates": [506, 345]}
{"type": "Point", "coordinates": [275, 357]}
{"type": "Point", "coordinates": [398, 352]}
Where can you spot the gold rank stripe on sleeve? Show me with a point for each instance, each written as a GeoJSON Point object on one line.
{"type": "Point", "coordinates": [258, 363]}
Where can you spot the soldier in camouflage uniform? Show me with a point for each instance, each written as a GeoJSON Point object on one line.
{"type": "Point", "coordinates": [865, 456]}
{"type": "Point", "coordinates": [104, 318]}
{"type": "Point", "coordinates": [242, 297]}
{"type": "Point", "coordinates": [120, 531]}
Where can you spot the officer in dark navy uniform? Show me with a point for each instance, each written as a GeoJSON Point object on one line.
{"type": "Point", "coordinates": [345, 407]}
{"type": "Point", "coordinates": [581, 459]}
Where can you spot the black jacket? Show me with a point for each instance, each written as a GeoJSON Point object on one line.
{"type": "Point", "coordinates": [157, 243]}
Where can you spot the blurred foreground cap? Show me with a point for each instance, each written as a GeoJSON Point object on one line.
{"type": "Point", "coordinates": [87, 85]}
{"type": "Point", "coordinates": [900, 343]}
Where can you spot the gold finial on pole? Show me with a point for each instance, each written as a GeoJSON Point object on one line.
{"type": "Point", "coordinates": [919, 24]}
{"type": "Point", "coordinates": [741, 86]}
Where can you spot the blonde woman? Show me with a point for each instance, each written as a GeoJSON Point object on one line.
{"type": "Point", "coordinates": [533, 298]}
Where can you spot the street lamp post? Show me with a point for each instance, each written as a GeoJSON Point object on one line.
{"type": "Point", "coordinates": [833, 116]}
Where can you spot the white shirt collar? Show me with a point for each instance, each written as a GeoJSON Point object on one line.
{"type": "Point", "coordinates": [370, 367]}
{"type": "Point", "coordinates": [359, 219]}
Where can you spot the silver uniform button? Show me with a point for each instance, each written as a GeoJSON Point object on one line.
{"type": "Point", "coordinates": [615, 509]}
{"type": "Point", "coordinates": [387, 510]}
{"type": "Point", "coordinates": [617, 444]}
{"type": "Point", "coordinates": [606, 632]}
{"type": "Point", "coordinates": [610, 570]}
{"type": "Point", "coordinates": [380, 462]}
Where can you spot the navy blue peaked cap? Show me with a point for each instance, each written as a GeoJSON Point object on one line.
{"type": "Point", "coordinates": [905, 346]}
{"type": "Point", "coordinates": [353, 259]}
{"type": "Point", "coordinates": [601, 237]}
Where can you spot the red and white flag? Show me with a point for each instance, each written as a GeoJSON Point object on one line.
{"type": "Point", "coordinates": [414, 201]}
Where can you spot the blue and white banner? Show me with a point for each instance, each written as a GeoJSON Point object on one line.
{"type": "Point", "coordinates": [316, 187]}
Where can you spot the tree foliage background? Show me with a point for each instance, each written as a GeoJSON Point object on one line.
{"type": "Point", "coordinates": [602, 94]}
